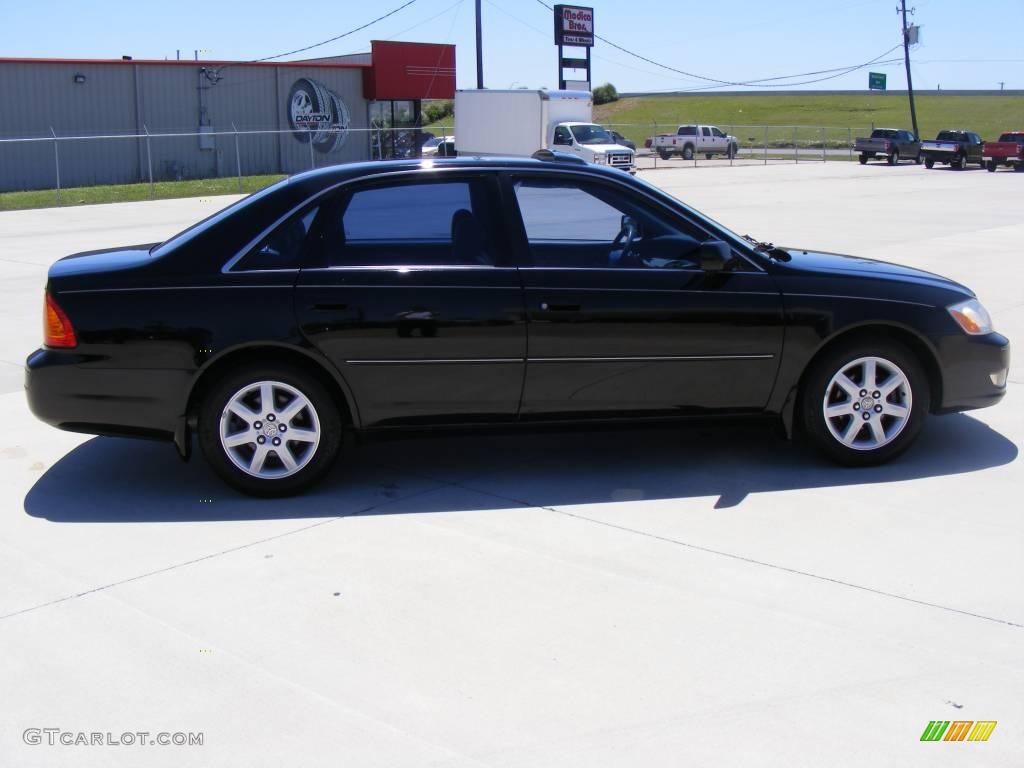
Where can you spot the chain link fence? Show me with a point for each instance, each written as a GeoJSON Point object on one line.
{"type": "Point", "coordinates": [61, 163]}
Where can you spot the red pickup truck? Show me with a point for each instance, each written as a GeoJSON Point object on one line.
{"type": "Point", "coordinates": [1009, 150]}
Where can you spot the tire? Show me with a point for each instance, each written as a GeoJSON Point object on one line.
{"type": "Point", "coordinates": [1018, 166]}
{"type": "Point", "coordinates": [688, 152]}
{"type": "Point", "coordinates": [733, 150]}
{"type": "Point", "coordinates": [883, 435]}
{"type": "Point", "coordinates": [863, 159]}
{"type": "Point", "coordinates": [317, 419]}
{"type": "Point", "coordinates": [894, 158]}
{"type": "Point", "coordinates": [957, 164]}
{"type": "Point", "coordinates": [663, 153]}
{"type": "Point", "coordinates": [317, 115]}
{"type": "Point", "coordinates": [929, 163]}
{"type": "Point", "coordinates": [918, 159]}
{"type": "Point", "coordinates": [991, 166]}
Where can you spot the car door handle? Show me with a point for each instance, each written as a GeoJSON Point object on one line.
{"type": "Point", "coordinates": [559, 307]}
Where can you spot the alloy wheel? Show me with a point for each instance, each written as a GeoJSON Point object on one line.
{"type": "Point", "coordinates": [867, 403]}
{"type": "Point", "coordinates": [269, 429]}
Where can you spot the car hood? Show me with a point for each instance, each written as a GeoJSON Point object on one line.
{"type": "Point", "coordinates": [606, 147]}
{"type": "Point", "coordinates": [105, 260]}
{"type": "Point", "coordinates": [835, 264]}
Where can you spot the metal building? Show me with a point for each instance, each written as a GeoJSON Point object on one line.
{"type": "Point", "coordinates": [124, 120]}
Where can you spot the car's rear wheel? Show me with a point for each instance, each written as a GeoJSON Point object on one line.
{"type": "Point", "coordinates": [269, 430]}
{"type": "Point", "coordinates": [991, 166]}
{"type": "Point", "coordinates": [958, 163]}
{"type": "Point", "coordinates": [929, 163]}
{"type": "Point", "coordinates": [664, 154]}
{"type": "Point", "coordinates": [864, 403]}
{"type": "Point", "coordinates": [894, 157]}
{"type": "Point", "coordinates": [688, 152]}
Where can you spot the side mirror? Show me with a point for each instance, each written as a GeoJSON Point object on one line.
{"type": "Point", "coordinates": [714, 256]}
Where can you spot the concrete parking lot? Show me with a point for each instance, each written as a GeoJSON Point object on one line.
{"type": "Point", "coordinates": [670, 596]}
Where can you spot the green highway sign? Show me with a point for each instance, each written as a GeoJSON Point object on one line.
{"type": "Point", "coordinates": [876, 81]}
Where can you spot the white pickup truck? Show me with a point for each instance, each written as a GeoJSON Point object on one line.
{"type": "Point", "coordinates": [691, 140]}
{"type": "Point", "coordinates": [519, 122]}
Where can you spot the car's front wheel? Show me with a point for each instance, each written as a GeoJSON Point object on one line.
{"type": "Point", "coordinates": [269, 430]}
{"type": "Point", "coordinates": [864, 403]}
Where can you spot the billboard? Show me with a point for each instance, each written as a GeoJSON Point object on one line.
{"type": "Point", "coordinates": [574, 25]}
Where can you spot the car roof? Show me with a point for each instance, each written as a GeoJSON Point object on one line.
{"type": "Point", "coordinates": [344, 172]}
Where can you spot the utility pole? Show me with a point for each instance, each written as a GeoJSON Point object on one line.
{"type": "Point", "coordinates": [479, 49]}
{"type": "Point", "coordinates": [906, 60]}
{"type": "Point", "coordinates": [1001, 84]}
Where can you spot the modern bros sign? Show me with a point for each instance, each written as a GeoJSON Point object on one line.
{"type": "Point", "coordinates": [574, 26]}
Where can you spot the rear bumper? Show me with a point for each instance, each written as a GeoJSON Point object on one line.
{"type": "Point", "coordinates": [974, 371]}
{"type": "Point", "coordinates": [78, 393]}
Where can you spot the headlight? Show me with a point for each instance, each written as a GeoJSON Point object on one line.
{"type": "Point", "coordinates": [971, 316]}
{"type": "Point", "coordinates": [599, 159]}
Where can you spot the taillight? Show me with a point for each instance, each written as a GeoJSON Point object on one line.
{"type": "Point", "coordinates": [57, 328]}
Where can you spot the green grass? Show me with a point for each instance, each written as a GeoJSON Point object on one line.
{"type": "Point", "coordinates": [641, 115]}
{"type": "Point", "coordinates": [124, 193]}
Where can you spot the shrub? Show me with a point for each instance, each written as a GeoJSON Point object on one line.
{"type": "Point", "coordinates": [605, 94]}
{"type": "Point", "coordinates": [438, 110]}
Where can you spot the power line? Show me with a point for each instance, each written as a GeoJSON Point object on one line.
{"type": "Point", "coordinates": [763, 82]}
{"type": "Point", "coordinates": [336, 37]}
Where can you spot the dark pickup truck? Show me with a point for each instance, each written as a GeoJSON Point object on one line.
{"type": "Point", "coordinates": [1009, 150]}
{"type": "Point", "coordinates": [956, 148]}
{"type": "Point", "coordinates": [893, 144]}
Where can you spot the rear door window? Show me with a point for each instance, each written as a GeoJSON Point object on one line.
{"type": "Point", "coordinates": [435, 223]}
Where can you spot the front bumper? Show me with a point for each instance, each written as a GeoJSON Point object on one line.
{"type": "Point", "coordinates": [974, 371]}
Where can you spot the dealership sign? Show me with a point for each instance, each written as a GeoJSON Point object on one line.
{"type": "Point", "coordinates": [574, 25]}
{"type": "Point", "coordinates": [317, 115]}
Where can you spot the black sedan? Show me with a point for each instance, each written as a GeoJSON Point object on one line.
{"type": "Point", "coordinates": [472, 291]}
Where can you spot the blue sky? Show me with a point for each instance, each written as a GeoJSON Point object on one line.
{"type": "Point", "coordinates": [736, 41]}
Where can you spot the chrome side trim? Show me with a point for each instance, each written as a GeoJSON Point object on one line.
{"type": "Point", "coordinates": [441, 361]}
{"type": "Point", "coordinates": [637, 359]}
{"type": "Point", "coordinates": [646, 359]}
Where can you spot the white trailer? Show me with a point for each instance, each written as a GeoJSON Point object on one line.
{"type": "Point", "coordinates": [519, 122]}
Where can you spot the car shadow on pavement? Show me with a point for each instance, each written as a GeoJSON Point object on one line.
{"type": "Point", "coordinates": [114, 480]}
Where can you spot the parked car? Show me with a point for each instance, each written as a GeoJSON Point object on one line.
{"type": "Point", "coordinates": [621, 140]}
{"type": "Point", "coordinates": [691, 140]}
{"type": "Point", "coordinates": [375, 296]}
{"type": "Point", "coordinates": [439, 146]}
{"type": "Point", "coordinates": [954, 148]}
{"type": "Point", "coordinates": [892, 144]}
{"type": "Point", "coordinates": [1009, 151]}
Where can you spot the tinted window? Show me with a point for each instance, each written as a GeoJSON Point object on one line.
{"type": "Point", "coordinates": [717, 132]}
{"type": "Point", "coordinates": [562, 135]}
{"type": "Point", "coordinates": [1014, 137]}
{"type": "Point", "coordinates": [442, 223]}
{"type": "Point", "coordinates": [583, 225]}
{"type": "Point", "coordinates": [883, 133]}
{"type": "Point", "coordinates": [951, 136]}
{"type": "Point", "coordinates": [706, 131]}
{"type": "Point", "coordinates": [282, 249]}
{"type": "Point", "coordinates": [687, 130]}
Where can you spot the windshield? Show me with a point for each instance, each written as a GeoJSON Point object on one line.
{"type": "Point", "coordinates": [883, 133]}
{"type": "Point", "coordinates": [591, 134]}
{"type": "Point", "coordinates": [950, 136]}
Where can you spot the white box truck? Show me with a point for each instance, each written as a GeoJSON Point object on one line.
{"type": "Point", "coordinates": [519, 122]}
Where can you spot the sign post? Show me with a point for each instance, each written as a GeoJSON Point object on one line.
{"type": "Point", "coordinates": [876, 81]}
{"type": "Point", "coordinates": [574, 28]}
